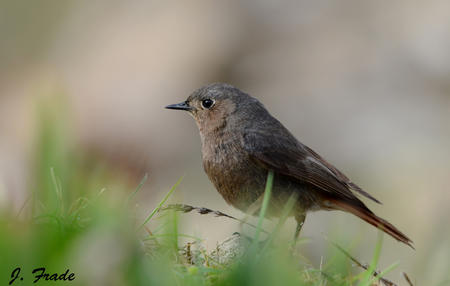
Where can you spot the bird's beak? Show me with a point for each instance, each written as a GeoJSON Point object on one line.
{"type": "Point", "coordinates": [180, 106]}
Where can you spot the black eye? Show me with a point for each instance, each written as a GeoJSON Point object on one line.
{"type": "Point", "coordinates": [207, 103]}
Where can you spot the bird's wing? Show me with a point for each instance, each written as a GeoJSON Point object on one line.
{"type": "Point", "coordinates": [281, 152]}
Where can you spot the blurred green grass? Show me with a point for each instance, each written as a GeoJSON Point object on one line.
{"type": "Point", "coordinates": [78, 216]}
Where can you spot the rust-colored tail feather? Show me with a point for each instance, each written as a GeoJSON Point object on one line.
{"type": "Point", "coordinates": [364, 213]}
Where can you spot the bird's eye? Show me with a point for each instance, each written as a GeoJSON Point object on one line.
{"type": "Point", "coordinates": [207, 103]}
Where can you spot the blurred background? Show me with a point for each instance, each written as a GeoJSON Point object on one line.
{"type": "Point", "coordinates": [366, 84]}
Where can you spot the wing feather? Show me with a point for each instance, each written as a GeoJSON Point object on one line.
{"type": "Point", "coordinates": [286, 155]}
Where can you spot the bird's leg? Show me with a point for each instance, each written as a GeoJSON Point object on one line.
{"type": "Point", "coordinates": [300, 218]}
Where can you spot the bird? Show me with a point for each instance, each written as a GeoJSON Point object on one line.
{"type": "Point", "coordinates": [242, 142]}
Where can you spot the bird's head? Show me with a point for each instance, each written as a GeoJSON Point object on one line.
{"type": "Point", "coordinates": [216, 105]}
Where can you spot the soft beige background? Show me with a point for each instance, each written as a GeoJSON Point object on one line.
{"type": "Point", "coordinates": [364, 83]}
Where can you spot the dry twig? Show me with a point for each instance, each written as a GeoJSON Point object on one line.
{"type": "Point", "coordinates": [364, 266]}
{"type": "Point", "coordinates": [201, 210]}
{"type": "Point", "coordinates": [407, 279]}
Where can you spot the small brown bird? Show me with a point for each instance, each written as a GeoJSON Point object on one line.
{"type": "Point", "coordinates": [241, 142]}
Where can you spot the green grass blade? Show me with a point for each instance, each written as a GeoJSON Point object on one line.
{"type": "Point", "coordinates": [265, 205]}
{"type": "Point", "coordinates": [286, 211]}
{"type": "Point", "coordinates": [373, 265]}
{"type": "Point", "coordinates": [384, 272]}
{"type": "Point", "coordinates": [155, 210]}
{"type": "Point", "coordinates": [58, 190]}
{"type": "Point", "coordinates": [139, 187]}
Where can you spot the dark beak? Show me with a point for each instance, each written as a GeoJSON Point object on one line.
{"type": "Point", "coordinates": [179, 106]}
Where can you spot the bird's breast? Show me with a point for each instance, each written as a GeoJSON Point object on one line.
{"type": "Point", "coordinates": [235, 176]}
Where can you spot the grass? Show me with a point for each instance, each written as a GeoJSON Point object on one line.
{"type": "Point", "coordinates": [82, 219]}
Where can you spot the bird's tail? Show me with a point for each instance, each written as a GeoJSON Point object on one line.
{"type": "Point", "coordinates": [365, 214]}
